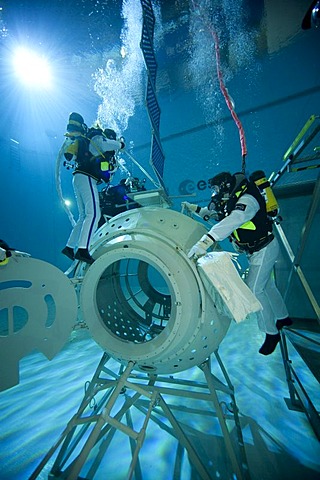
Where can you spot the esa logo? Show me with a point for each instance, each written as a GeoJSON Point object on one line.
{"type": "Point", "coordinates": [187, 187]}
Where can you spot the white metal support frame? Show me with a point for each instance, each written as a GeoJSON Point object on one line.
{"type": "Point", "coordinates": [115, 402]}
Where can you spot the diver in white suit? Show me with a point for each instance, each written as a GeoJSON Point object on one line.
{"type": "Point", "coordinates": [241, 212]}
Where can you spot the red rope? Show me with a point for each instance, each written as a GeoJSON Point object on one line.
{"type": "Point", "coordinates": [225, 91]}
{"type": "Point", "coordinates": [228, 100]}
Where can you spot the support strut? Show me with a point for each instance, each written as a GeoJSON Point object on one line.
{"type": "Point", "coordinates": [114, 401]}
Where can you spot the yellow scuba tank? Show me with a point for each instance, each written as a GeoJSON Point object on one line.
{"type": "Point", "coordinates": [259, 178]}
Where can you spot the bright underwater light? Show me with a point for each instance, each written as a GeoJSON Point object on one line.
{"type": "Point", "coordinates": [31, 68]}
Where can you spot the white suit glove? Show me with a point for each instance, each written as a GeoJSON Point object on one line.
{"type": "Point", "coordinates": [3, 254]}
{"type": "Point", "coordinates": [201, 247]}
{"type": "Point", "coordinates": [189, 206]}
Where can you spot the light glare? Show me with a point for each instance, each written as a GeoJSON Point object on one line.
{"type": "Point", "coordinates": [31, 68]}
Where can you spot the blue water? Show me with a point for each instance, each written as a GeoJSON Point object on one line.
{"type": "Point", "coordinates": [272, 72]}
{"type": "Point", "coordinates": [280, 443]}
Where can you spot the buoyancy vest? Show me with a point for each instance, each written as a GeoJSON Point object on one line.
{"type": "Point", "coordinates": [104, 160]}
{"type": "Point", "coordinates": [256, 233]}
{"type": "Point", "coordinates": [85, 165]}
{"type": "Point", "coordinates": [100, 168]}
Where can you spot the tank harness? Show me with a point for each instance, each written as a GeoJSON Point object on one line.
{"type": "Point", "coordinates": [100, 166]}
{"type": "Point", "coordinates": [255, 234]}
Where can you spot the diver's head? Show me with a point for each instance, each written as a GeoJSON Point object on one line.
{"type": "Point", "coordinates": [110, 134]}
{"type": "Point", "coordinates": [223, 187]}
{"type": "Point", "coordinates": [76, 125]}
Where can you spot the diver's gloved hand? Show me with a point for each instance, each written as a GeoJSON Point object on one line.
{"type": "Point", "coordinates": [3, 254]}
{"type": "Point", "coordinates": [189, 206]}
{"type": "Point", "coordinates": [122, 143]}
{"type": "Point", "coordinates": [201, 247]}
{"type": "Point", "coordinates": [70, 157]}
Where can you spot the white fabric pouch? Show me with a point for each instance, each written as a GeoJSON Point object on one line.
{"type": "Point", "coordinates": [223, 283]}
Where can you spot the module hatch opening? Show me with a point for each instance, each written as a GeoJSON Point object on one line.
{"type": "Point", "coordinates": [143, 299]}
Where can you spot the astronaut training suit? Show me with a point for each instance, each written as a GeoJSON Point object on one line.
{"type": "Point", "coordinates": [87, 174]}
{"type": "Point", "coordinates": [244, 219]}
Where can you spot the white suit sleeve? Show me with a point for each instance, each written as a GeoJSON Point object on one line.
{"type": "Point", "coordinates": [100, 144]}
{"type": "Point", "coordinates": [245, 209]}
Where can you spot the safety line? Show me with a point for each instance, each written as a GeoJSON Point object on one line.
{"type": "Point", "coordinates": [225, 93]}
{"type": "Point", "coordinates": [229, 102]}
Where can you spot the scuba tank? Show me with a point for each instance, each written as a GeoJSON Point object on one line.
{"type": "Point", "coordinates": [259, 178]}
